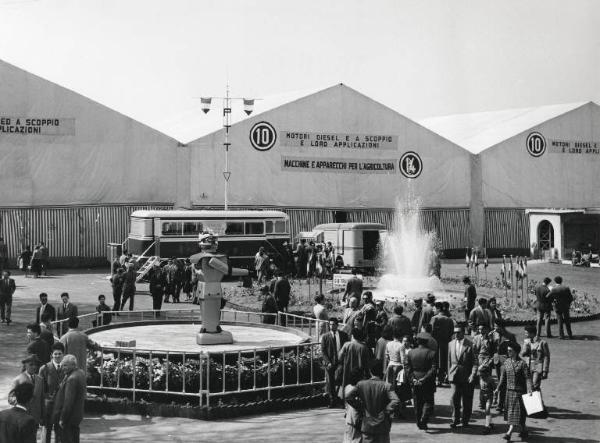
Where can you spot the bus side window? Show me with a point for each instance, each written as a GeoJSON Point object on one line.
{"type": "Point", "coordinates": [234, 228]}
{"type": "Point", "coordinates": [171, 228]}
{"type": "Point", "coordinates": [253, 228]}
{"type": "Point", "coordinates": [269, 227]}
{"type": "Point", "coordinates": [280, 227]}
{"type": "Point", "coordinates": [192, 228]}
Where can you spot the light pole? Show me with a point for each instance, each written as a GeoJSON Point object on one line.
{"type": "Point", "coordinates": [248, 108]}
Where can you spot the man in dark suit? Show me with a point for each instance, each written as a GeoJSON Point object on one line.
{"type": "Point", "coordinates": [7, 289]}
{"type": "Point", "coordinates": [443, 328]}
{"type": "Point", "coordinates": [399, 322]}
{"type": "Point", "coordinates": [470, 297]}
{"type": "Point", "coordinates": [16, 424]}
{"type": "Point", "coordinates": [37, 346]}
{"type": "Point", "coordinates": [421, 366]}
{"type": "Point", "coordinates": [281, 292]}
{"type": "Point", "coordinates": [331, 344]}
{"type": "Point", "coordinates": [65, 312]}
{"type": "Point", "coordinates": [52, 375]}
{"type": "Point", "coordinates": [46, 329]}
{"type": "Point", "coordinates": [543, 306]}
{"type": "Point", "coordinates": [427, 312]}
{"type": "Point", "coordinates": [416, 317]}
{"type": "Point", "coordinates": [461, 374]}
{"type": "Point", "coordinates": [44, 308]}
{"type": "Point", "coordinates": [354, 287]}
{"type": "Point", "coordinates": [34, 406]}
{"type": "Point", "coordinates": [562, 298]}
{"type": "Point", "coordinates": [70, 400]}
{"type": "Point", "coordinates": [480, 315]}
{"type": "Point", "coordinates": [379, 401]}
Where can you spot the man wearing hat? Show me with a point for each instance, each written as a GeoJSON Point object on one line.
{"type": "Point", "coordinates": [7, 289]}
{"type": "Point", "coordinates": [461, 374]}
{"type": "Point", "coordinates": [29, 375]}
{"type": "Point", "coordinates": [381, 318]}
{"type": "Point", "coordinates": [537, 355]}
{"type": "Point", "coordinates": [421, 366]}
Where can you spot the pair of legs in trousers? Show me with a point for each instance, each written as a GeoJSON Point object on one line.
{"type": "Point", "coordinates": [462, 393]}
{"type": "Point", "coordinates": [423, 398]}
{"type": "Point", "coordinates": [543, 317]}
{"type": "Point", "coordinates": [564, 318]}
{"type": "Point", "coordinates": [5, 308]}
{"type": "Point", "coordinates": [127, 295]}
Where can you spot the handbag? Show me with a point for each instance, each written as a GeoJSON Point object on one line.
{"type": "Point", "coordinates": [534, 405]}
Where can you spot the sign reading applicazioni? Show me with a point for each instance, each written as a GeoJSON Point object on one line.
{"type": "Point", "coordinates": [341, 141]}
{"type": "Point", "coordinates": [329, 165]}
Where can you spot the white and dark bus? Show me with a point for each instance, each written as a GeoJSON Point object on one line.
{"type": "Point", "coordinates": [167, 234]}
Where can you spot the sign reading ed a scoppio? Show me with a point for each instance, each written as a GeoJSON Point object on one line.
{"type": "Point", "coordinates": [360, 166]}
{"type": "Point", "coordinates": [37, 125]}
{"type": "Point", "coordinates": [336, 140]}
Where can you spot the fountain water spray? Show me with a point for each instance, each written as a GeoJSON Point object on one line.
{"type": "Point", "coordinates": [408, 256]}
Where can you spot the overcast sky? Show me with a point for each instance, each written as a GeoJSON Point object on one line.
{"type": "Point", "coordinates": [150, 58]}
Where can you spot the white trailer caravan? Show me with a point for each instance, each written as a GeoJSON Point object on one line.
{"type": "Point", "coordinates": [356, 245]}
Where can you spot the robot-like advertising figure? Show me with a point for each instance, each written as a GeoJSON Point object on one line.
{"type": "Point", "coordinates": [210, 270]}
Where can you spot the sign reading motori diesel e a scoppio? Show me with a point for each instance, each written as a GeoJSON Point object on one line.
{"type": "Point", "coordinates": [37, 125]}
{"type": "Point", "coordinates": [335, 140]}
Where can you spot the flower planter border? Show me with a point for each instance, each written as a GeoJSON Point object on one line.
{"type": "Point", "coordinates": [108, 405]}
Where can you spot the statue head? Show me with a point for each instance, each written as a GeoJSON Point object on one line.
{"type": "Point", "coordinates": [208, 241]}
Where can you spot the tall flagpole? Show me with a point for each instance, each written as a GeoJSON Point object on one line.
{"type": "Point", "coordinates": [226, 144]}
{"type": "Point", "coordinates": [248, 108]}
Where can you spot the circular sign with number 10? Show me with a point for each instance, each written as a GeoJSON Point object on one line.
{"type": "Point", "coordinates": [263, 136]}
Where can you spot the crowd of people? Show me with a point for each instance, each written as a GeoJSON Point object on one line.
{"type": "Point", "coordinates": [379, 365]}
{"type": "Point", "coordinates": [50, 391]}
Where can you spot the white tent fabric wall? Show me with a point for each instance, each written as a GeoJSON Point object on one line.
{"type": "Point", "coordinates": [261, 177]}
{"type": "Point", "coordinates": [60, 148]}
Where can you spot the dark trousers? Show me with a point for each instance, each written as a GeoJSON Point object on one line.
{"type": "Point", "coordinates": [423, 399]}
{"type": "Point", "coordinates": [543, 317]}
{"type": "Point", "coordinates": [128, 295]}
{"type": "Point", "coordinates": [442, 361]}
{"type": "Point", "coordinates": [462, 393]}
{"type": "Point", "coordinates": [69, 434]}
{"type": "Point", "coordinates": [5, 307]}
{"type": "Point", "coordinates": [117, 298]}
{"type": "Point", "coordinates": [564, 318]}
{"type": "Point", "coordinates": [332, 387]}
{"type": "Point", "coordinates": [157, 300]}
{"type": "Point", "coordinates": [46, 433]}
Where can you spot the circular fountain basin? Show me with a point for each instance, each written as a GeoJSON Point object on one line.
{"type": "Point", "coordinates": [181, 336]}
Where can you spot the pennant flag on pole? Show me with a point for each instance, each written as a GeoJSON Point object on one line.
{"type": "Point", "coordinates": [503, 269]}
{"type": "Point", "coordinates": [467, 259]}
{"type": "Point", "coordinates": [205, 102]}
{"type": "Point", "coordinates": [518, 268]}
{"type": "Point", "coordinates": [511, 270]}
{"type": "Point", "coordinates": [525, 267]}
{"type": "Point", "coordinates": [248, 106]}
{"type": "Point", "coordinates": [485, 261]}
{"type": "Point", "coordinates": [475, 259]}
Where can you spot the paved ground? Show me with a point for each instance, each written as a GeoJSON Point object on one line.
{"type": "Point", "coordinates": [571, 392]}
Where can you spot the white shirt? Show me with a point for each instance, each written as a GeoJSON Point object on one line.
{"type": "Point", "coordinates": [336, 335]}
{"type": "Point", "coordinates": [459, 345]}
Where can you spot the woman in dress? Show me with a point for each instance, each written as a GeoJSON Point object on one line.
{"type": "Point", "coordinates": [515, 376]}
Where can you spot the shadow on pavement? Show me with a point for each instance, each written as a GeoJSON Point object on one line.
{"type": "Point", "coordinates": [567, 414]}
{"type": "Point", "coordinates": [586, 337]}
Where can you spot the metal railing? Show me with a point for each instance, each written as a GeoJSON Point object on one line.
{"type": "Point", "coordinates": [208, 375]}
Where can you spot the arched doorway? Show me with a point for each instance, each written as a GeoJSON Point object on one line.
{"type": "Point", "coordinates": [545, 235]}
